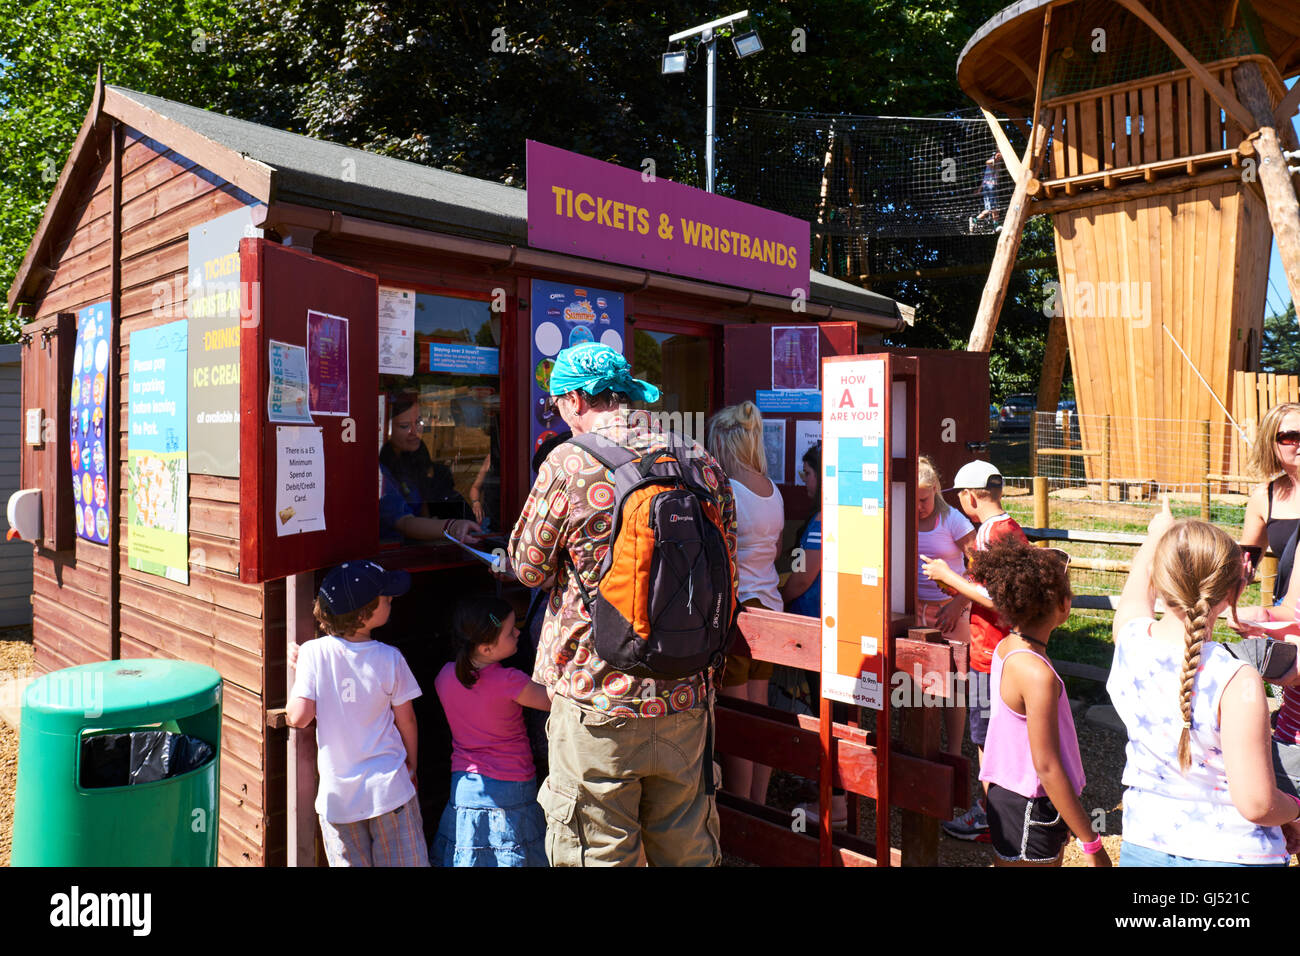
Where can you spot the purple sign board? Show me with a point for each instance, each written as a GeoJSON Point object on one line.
{"type": "Point", "coordinates": [584, 207]}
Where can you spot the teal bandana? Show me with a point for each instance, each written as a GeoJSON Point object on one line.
{"type": "Point", "coordinates": [594, 368]}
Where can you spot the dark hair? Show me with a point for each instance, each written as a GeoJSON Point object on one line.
{"type": "Point", "coordinates": [545, 448]}
{"type": "Point", "coordinates": [813, 458]}
{"type": "Point", "coordinates": [344, 625]}
{"type": "Point", "coordinates": [1025, 583]}
{"type": "Point", "coordinates": [477, 621]}
{"type": "Point", "coordinates": [402, 403]}
{"type": "Point", "coordinates": [609, 398]}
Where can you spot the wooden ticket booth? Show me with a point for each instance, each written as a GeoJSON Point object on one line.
{"type": "Point", "coordinates": [309, 286]}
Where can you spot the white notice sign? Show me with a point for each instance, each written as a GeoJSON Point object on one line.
{"type": "Point", "coordinates": [299, 480]}
{"type": "Point", "coordinates": [396, 331]}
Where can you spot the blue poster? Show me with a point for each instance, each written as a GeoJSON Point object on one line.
{"type": "Point", "coordinates": [565, 315]}
{"type": "Point", "coordinates": [462, 359]}
{"type": "Point", "coordinates": [157, 461]}
{"type": "Point", "coordinates": [787, 400]}
{"type": "Point", "coordinates": [89, 430]}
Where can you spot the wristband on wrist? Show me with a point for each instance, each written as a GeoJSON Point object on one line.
{"type": "Point", "coordinates": [1090, 848]}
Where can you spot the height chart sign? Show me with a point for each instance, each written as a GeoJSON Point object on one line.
{"type": "Point", "coordinates": [855, 530]}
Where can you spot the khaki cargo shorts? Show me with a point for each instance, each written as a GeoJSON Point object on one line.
{"type": "Point", "coordinates": [621, 787]}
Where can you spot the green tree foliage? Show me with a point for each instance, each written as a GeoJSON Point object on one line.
{"type": "Point", "coordinates": [1279, 350]}
{"type": "Point", "coordinates": [462, 85]}
{"type": "Point", "coordinates": [49, 52]}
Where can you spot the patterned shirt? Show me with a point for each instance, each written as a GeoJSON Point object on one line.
{"type": "Point", "coordinates": [1190, 814]}
{"type": "Point", "coordinates": [570, 510]}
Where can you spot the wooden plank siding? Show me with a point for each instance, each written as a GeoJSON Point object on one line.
{"type": "Point", "coordinates": [215, 619]}
{"type": "Point", "coordinates": [15, 556]}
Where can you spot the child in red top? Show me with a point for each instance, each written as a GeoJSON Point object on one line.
{"type": "Point", "coordinates": [979, 493]}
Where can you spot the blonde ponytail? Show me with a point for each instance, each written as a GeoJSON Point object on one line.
{"type": "Point", "coordinates": [735, 438]}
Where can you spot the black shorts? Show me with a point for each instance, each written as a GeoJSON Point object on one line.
{"type": "Point", "coordinates": [1024, 829]}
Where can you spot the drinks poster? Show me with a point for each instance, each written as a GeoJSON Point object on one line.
{"type": "Point", "coordinates": [158, 451]}
{"type": "Point", "coordinates": [327, 363]}
{"type": "Point", "coordinates": [89, 444]}
{"type": "Point", "coordinates": [565, 315]}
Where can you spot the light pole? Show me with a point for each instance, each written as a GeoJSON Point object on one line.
{"type": "Point", "coordinates": [746, 44]}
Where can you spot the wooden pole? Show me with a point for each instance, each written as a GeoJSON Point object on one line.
{"type": "Point", "coordinates": [1209, 467]}
{"type": "Point", "coordinates": [920, 739]}
{"type": "Point", "coordinates": [1033, 445]}
{"type": "Point", "coordinates": [1274, 178]}
{"type": "Point", "coordinates": [1267, 576]}
{"type": "Point", "coordinates": [1042, 503]}
{"type": "Point", "coordinates": [1054, 356]}
{"type": "Point", "coordinates": [995, 289]}
{"type": "Point", "coordinates": [821, 205]}
{"type": "Point", "coordinates": [1105, 458]}
{"type": "Point", "coordinates": [301, 770]}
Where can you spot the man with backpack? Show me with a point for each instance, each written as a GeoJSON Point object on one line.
{"type": "Point", "coordinates": [634, 535]}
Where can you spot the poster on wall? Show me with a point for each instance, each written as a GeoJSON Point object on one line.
{"type": "Point", "coordinates": [774, 448]}
{"type": "Point", "coordinates": [396, 331]}
{"type": "Point", "coordinates": [806, 434]}
{"type": "Point", "coordinates": [157, 452]}
{"type": "Point", "coordinates": [89, 430]}
{"type": "Point", "coordinates": [327, 363]}
{"type": "Point", "coordinates": [796, 358]}
{"type": "Point", "coordinates": [212, 305]}
{"type": "Point", "coordinates": [299, 480]}
{"type": "Point", "coordinates": [565, 315]}
{"type": "Point", "coordinates": [855, 500]}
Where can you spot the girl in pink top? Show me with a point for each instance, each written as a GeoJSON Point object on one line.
{"type": "Point", "coordinates": [1031, 757]}
{"type": "Point", "coordinates": [492, 818]}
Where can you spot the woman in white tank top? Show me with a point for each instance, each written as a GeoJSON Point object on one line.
{"type": "Point", "coordinates": [735, 439]}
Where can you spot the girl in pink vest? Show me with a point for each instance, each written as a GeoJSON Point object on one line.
{"type": "Point", "coordinates": [1031, 757]}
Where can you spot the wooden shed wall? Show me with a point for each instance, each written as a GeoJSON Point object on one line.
{"type": "Point", "coordinates": [215, 619]}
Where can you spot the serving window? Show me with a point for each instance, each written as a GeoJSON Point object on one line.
{"type": "Point", "coordinates": [441, 426]}
{"type": "Point", "coordinates": [680, 360]}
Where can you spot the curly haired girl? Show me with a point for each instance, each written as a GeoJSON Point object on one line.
{"type": "Point", "coordinates": [1031, 756]}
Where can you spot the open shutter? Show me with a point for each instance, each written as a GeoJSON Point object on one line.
{"type": "Point", "coordinates": [47, 394]}
{"type": "Point", "coordinates": [283, 286]}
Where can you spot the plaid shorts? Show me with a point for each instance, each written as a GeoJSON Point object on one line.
{"type": "Point", "coordinates": [390, 839]}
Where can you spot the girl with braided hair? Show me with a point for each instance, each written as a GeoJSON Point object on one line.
{"type": "Point", "coordinates": [1199, 775]}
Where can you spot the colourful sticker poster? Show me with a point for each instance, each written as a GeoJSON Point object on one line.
{"type": "Point", "coordinates": [158, 452]}
{"type": "Point", "coordinates": [855, 501]}
{"type": "Point", "coordinates": [87, 422]}
{"type": "Point", "coordinates": [327, 363]}
{"type": "Point", "coordinates": [286, 394]}
{"type": "Point", "coordinates": [565, 315]}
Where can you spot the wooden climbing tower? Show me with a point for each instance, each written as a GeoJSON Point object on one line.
{"type": "Point", "coordinates": [1157, 146]}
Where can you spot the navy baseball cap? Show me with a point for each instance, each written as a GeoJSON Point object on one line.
{"type": "Point", "coordinates": [355, 584]}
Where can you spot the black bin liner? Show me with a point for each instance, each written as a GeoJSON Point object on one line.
{"type": "Point", "coordinates": [141, 756]}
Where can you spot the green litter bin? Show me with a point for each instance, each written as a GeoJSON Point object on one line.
{"type": "Point", "coordinates": [117, 766]}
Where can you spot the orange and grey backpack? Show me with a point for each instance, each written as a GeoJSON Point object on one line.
{"type": "Point", "coordinates": [666, 598]}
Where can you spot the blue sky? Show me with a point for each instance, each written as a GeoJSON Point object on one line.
{"type": "Point", "coordinates": [1279, 295]}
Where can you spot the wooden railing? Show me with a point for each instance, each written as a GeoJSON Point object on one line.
{"type": "Point", "coordinates": [924, 782]}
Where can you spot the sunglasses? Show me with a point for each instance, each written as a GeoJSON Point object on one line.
{"type": "Point", "coordinates": [1288, 438]}
{"type": "Point", "coordinates": [1064, 556]}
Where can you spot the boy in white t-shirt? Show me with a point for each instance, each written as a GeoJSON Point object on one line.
{"type": "Point", "coordinates": [359, 692]}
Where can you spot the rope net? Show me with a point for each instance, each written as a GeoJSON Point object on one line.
{"type": "Point", "coordinates": [859, 178]}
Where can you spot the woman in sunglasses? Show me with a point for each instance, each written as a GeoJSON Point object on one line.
{"type": "Point", "coordinates": [1273, 512]}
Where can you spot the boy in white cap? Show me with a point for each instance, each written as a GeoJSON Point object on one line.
{"type": "Point", "coordinates": [979, 493]}
{"type": "Point", "coordinates": [359, 692]}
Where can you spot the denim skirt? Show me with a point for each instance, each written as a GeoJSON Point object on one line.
{"type": "Point", "coordinates": [490, 822]}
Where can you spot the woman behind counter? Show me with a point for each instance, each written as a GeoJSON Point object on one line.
{"type": "Point", "coordinates": [418, 497]}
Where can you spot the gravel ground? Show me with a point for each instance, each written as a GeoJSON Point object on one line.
{"type": "Point", "coordinates": [15, 659]}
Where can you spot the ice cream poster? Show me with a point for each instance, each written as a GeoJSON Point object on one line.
{"type": "Point", "coordinates": [88, 426]}
{"type": "Point", "coordinates": [157, 452]}
{"type": "Point", "coordinates": [562, 316]}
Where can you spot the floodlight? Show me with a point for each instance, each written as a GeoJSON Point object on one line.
{"type": "Point", "coordinates": [747, 43]}
{"type": "Point", "coordinates": [674, 62]}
